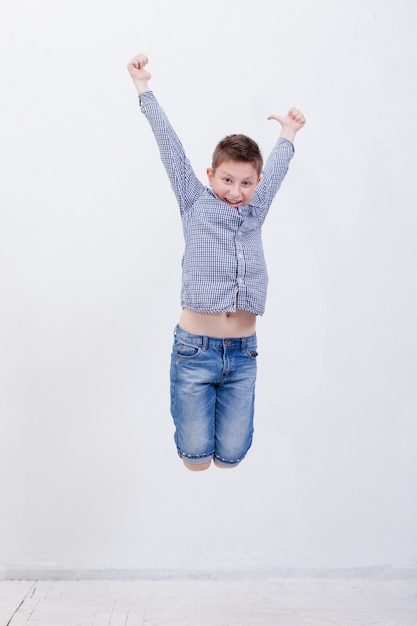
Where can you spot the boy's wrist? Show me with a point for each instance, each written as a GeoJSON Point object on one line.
{"type": "Point", "coordinates": [141, 86]}
{"type": "Point", "coordinates": [288, 133]}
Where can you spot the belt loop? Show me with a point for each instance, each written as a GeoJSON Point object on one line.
{"type": "Point", "coordinates": [204, 342]}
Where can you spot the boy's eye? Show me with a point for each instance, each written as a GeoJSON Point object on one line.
{"type": "Point", "coordinates": [227, 180]}
{"type": "Point", "coordinates": [247, 183]}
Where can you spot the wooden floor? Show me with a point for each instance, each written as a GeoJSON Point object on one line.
{"type": "Point", "coordinates": [272, 602]}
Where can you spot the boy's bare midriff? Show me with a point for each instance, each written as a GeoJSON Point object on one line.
{"type": "Point", "coordinates": [222, 325]}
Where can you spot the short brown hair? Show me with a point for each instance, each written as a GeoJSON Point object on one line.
{"type": "Point", "coordinates": [237, 148]}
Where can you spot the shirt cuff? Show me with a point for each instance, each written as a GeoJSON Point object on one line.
{"type": "Point", "coordinates": [146, 96]}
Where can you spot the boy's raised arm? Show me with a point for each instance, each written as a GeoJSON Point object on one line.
{"type": "Point", "coordinates": [276, 165]}
{"type": "Point", "coordinates": [185, 184]}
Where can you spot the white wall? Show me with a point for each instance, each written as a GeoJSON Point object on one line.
{"type": "Point", "coordinates": [90, 245]}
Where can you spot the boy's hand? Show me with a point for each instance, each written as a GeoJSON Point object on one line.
{"type": "Point", "coordinates": [290, 123]}
{"type": "Point", "coordinates": [136, 69]}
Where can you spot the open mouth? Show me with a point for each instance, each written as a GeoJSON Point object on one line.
{"type": "Point", "coordinates": [232, 203]}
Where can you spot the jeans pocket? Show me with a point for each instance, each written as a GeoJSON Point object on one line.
{"type": "Point", "coordinates": [251, 353]}
{"type": "Point", "coordinates": [187, 351]}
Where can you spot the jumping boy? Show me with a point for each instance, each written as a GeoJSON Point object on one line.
{"type": "Point", "coordinates": [224, 281]}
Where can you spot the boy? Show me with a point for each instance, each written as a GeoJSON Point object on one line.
{"type": "Point", "coordinates": [224, 281]}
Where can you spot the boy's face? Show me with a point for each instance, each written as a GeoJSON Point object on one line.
{"type": "Point", "coordinates": [234, 182]}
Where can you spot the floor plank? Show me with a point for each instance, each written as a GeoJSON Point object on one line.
{"type": "Point", "coordinates": [276, 602]}
{"type": "Point", "coordinates": [12, 595]}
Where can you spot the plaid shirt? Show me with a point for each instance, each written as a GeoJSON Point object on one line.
{"type": "Point", "coordinates": [223, 254]}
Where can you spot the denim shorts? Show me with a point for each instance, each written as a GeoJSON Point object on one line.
{"type": "Point", "coordinates": [212, 397]}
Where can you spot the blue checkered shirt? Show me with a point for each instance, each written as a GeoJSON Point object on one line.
{"type": "Point", "coordinates": [223, 255]}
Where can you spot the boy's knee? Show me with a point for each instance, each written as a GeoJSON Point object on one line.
{"type": "Point", "coordinates": [194, 467]}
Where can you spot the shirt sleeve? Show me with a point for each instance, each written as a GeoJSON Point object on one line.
{"type": "Point", "coordinates": [186, 186]}
{"type": "Point", "coordinates": [273, 174]}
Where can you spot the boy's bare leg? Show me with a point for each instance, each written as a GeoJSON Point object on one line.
{"type": "Point", "coordinates": [197, 468]}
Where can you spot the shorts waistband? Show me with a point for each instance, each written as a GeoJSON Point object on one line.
{"type": "Point", "coordinates": [217, 343]}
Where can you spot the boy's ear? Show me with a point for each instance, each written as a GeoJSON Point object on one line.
{"type": "Point", "coordinates": [210, 175]}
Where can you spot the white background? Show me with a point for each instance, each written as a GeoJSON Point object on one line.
{"type": "Point", "coordinates": [90, 248]}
